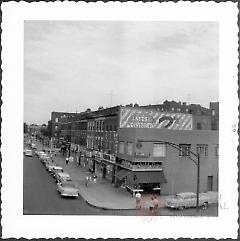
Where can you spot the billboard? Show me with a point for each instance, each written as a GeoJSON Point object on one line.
{"type": "Point", "coordinates": [144, 118]}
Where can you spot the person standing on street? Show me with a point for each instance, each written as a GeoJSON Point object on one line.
{"type": "Point", "coordinates": [138, 200]}
{"type": "Point", "coordinates": [155, 204]}
{"type": "Point", "coordinates": [67, 160]}
{"type": "Point", "coordinates": [86, 182]}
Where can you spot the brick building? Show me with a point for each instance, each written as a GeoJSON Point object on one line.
{"type": "Point", "coordinates": [127, 145]}
{"type": "Point", "coordinates": [204, 118]}
{"type": "Point", "coordinates": [54, 124]}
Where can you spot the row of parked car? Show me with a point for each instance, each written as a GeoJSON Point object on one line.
{"type": "Point", "coordinates": [65, 186]}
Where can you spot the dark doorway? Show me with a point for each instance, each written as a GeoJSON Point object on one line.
{"type": "Point", "coordinates": [210, 183]}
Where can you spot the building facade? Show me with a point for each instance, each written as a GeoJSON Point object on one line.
{"type": "Point", "coordinates": [55, 124]}
{"type": "Point", "coordinates": [129, 147]}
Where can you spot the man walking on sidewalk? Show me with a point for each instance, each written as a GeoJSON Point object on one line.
{"type": "Point", "coordinates": [138, 200]}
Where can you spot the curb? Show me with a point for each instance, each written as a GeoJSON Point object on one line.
{"type": "Point", "coordinates": [105, 208]}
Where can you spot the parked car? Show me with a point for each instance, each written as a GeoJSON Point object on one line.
{"type": "Point", "coordinates": [33, 145]}
{"type": "Point", "coordinates": [42, 154]}
{"type": "Point", "coordinates": [189, 199]}
{"type": "Point", "coordinates": [46, 159]}
{"type": "Point", "coordinates": [54, 172]}
{"type": "Point", "coordinates": [49, 163]}
{"type": "Point", "coordinates": [62, 177]}
{"type": "Point", "coordinates": [53, 166]}
{"type": "Point", "coordinates": [38, 153]}
{"type": "Point", "coordinates": [28, 153]}
{"type": "Point", "coordinates": [67, 189]}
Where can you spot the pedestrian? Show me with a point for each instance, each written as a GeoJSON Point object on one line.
{"type": "Point", "coordinates": [67, 160]}
{"type": "Point", "coordinates": [86, 182]}
{"type": "Point", "coordinates": [151, 205]}
{"type": "Point", "coordinates": [138, 200]}
{"type": "Point", "coordinates": [155, 204]}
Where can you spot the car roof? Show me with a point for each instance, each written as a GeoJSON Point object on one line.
{"type": "Point", "coordinates": [186, 194]}
{"type": "Point", "coordinates": [63, 174]}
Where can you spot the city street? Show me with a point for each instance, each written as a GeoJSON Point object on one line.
{"type": "Point", "coordinates": [41, 197]}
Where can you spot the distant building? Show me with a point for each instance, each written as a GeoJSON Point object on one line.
{"type": "Point", "coordinates": [34, 129]}
{"type": "Point", "coordinates": [127, 145]}
{"type": "Point", "coordinates": [55, 125]}
{"type": "Point", "coordinates": [214, 108]}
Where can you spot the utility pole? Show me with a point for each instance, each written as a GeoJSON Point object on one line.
{"type": "Point", "coordinates": [198, 179]}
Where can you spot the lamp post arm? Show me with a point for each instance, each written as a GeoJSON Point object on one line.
{"type": "Point", "coordinates": [176, 146]}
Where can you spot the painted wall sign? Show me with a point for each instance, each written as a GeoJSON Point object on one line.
{"type": "Point", "coordinates": [143, 118]}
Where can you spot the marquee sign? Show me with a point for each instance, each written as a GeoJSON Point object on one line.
{"type": "Point", "coordinates": [143, 118]}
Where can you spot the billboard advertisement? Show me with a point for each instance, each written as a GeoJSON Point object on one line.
{"type": "Point", "coordinates": [144, 118]}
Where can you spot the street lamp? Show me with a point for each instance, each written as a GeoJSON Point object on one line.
{"type": "Point", "coordinates": [197, 163]}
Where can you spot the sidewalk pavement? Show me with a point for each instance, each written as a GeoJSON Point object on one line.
{"type": "Point", "coordinates": [102, 193]}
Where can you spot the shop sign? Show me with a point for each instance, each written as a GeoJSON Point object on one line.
{"type": "Point", "coordinates": [142, 118]}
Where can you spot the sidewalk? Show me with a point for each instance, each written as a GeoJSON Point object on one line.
{"type": "Point", "coordinates": [101, 194]}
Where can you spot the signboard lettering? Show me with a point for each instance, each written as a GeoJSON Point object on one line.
{"type": "Point", "coordinates": [143, 118]}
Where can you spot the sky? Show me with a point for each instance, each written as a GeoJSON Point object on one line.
{"type": "Point", "coordinates": [70, 66]}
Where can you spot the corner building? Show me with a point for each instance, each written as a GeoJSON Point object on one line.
{"type": "Point", "coordinates": [129, 147]}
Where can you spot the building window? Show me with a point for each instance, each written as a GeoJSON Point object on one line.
{"type": "Point", "coordinates": [213, 112]}
{"type": "Point", "coordinates": [121, 147]}
{"type": "Point", "coordinates": [130, 148]}
{"type": "Point", "coordinates": [159, 150]}
{"type": "Point", "coordinates": [199, 126]}
{"type": "Point", "coordinates": [217, 150]}
{"type": "Point", "coordinates": [184, 149]}
{"type": "Point", "coordinates": [202, 149]}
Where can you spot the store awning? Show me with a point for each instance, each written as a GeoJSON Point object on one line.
{"type": "Point", "coordinates": [122, 173]}
{"type": "Point", "coordinates": [150, 177]}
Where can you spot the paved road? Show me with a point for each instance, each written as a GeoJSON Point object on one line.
{"type": "Point", "coordinates": [41, 197]}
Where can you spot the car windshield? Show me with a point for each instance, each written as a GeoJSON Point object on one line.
{"type": "Point", "coordinates": [69, 184]}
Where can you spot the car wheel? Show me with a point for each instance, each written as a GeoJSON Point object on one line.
{"type": "Point", "coordinates": [205, 205]}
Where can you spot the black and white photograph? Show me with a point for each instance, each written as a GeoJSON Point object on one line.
{"type": "Point", "coordinates": [134, 115]}
{"type": "Point", "coordinates": [120, 121]}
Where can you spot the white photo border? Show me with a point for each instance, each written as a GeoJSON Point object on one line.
{"type": "Point", "coordinates": [17, 225]}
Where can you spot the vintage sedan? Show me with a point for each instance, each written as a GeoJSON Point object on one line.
{"type": "Point", "coordinates": [38, 153]}
{"type": "Point", "coordinates": [49, 164]}
{"type": "Point", "coordinates": [189, 199]}
{"type": "Point", "coordinates": [62, 177]}
{"type": "Point", "coordinates": [28, 153]}
{"type": "Point", "coordinates": [54, 167]}
{"type": "Point", "coordinates": [67, 189]}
